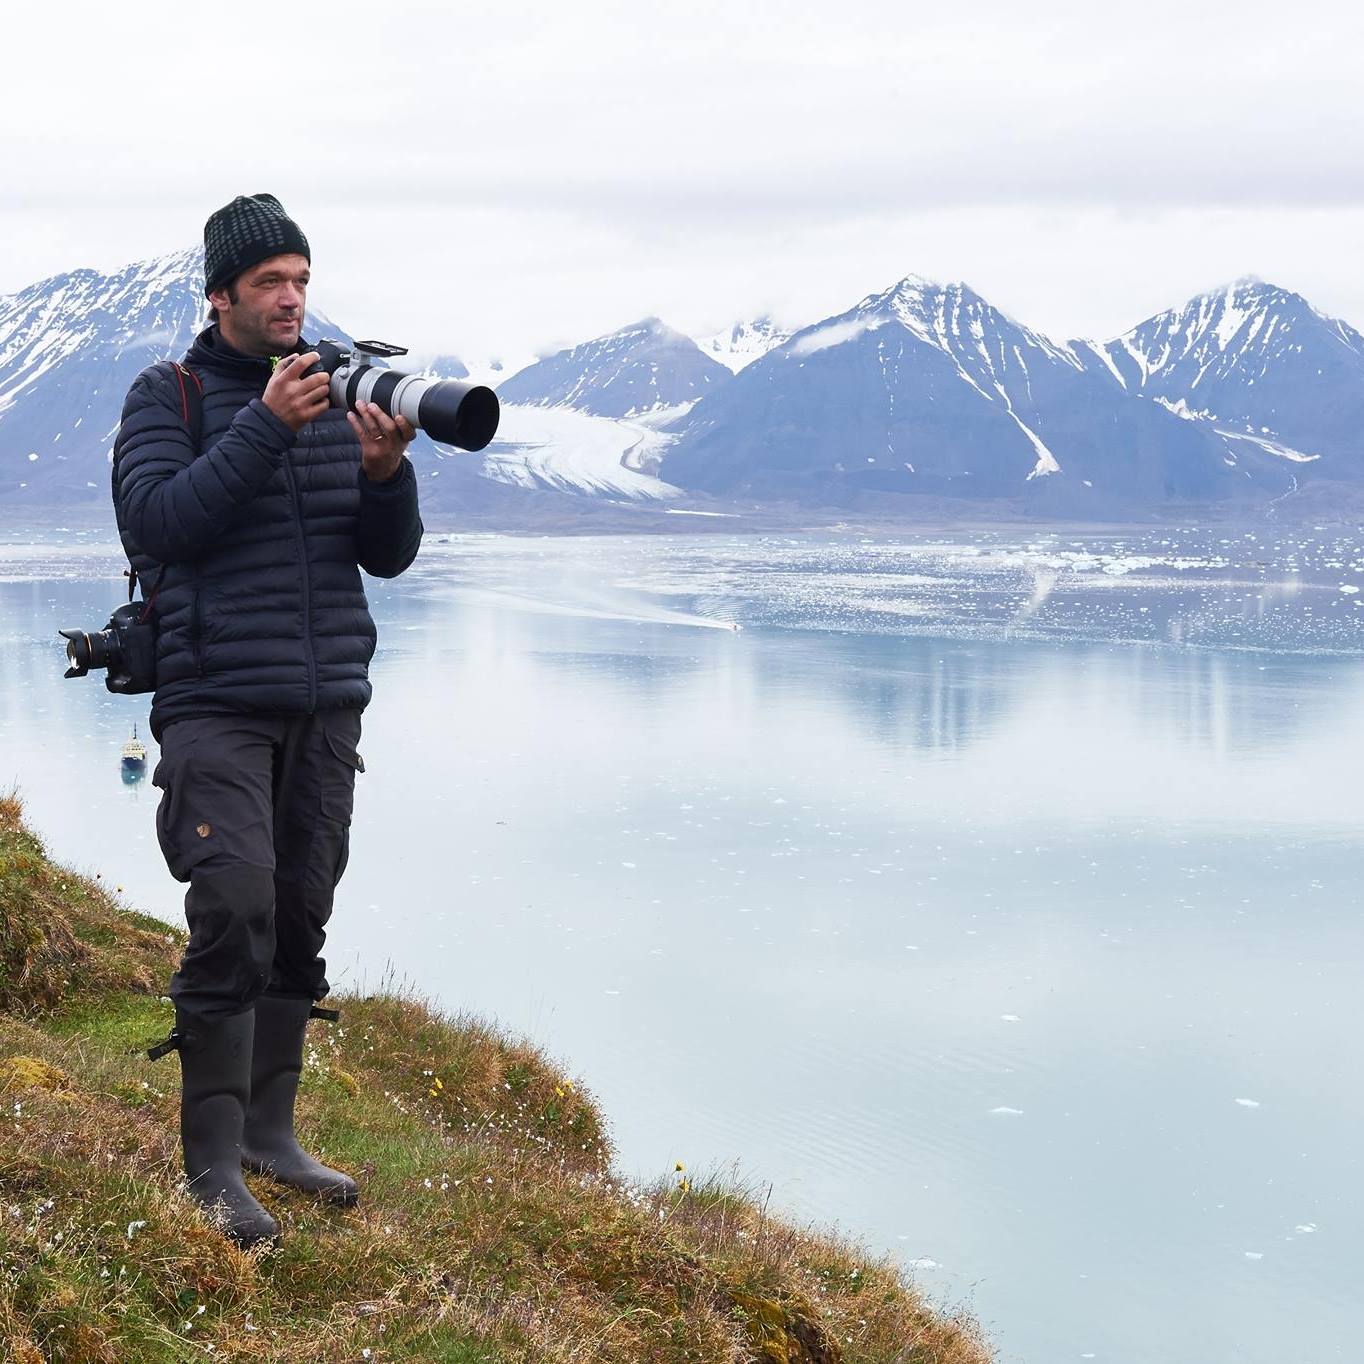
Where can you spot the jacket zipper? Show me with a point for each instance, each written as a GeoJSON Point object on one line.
{"type": "Point", "coordinates": [307, 590]}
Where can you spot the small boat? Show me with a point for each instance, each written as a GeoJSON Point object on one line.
{"type": "Point", "coordinates": [134, 754]}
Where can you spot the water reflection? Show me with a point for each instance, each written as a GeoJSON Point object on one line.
{"type": "Point", "coordinates": [976, 944]}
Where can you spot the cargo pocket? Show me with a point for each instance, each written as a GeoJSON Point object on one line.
{"type": "Point", "coordinates": [341, 762]}
{"type": "Point", "coordinates": [183, 845]}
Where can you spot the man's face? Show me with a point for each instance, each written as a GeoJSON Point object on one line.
{"type": "Point", "coordinates": [262, 313]}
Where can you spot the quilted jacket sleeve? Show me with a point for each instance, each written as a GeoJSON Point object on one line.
{"type": "Point", "coordinates": [390, 530]}
{"type": "Point", "coordinates": [174, 504]}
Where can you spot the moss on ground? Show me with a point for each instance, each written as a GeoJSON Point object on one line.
{"type": "Point", "coordinates": [491, 1228]}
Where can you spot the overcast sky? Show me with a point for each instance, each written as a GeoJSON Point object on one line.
{"type": "Point", "coordinates": [512, 177]}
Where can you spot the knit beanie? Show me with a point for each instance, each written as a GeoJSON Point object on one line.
{"type": "Point", "coordinates": [246, 232]}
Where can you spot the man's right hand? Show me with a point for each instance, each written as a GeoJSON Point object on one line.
{"type": "Point", "coordinates": [296, 400]}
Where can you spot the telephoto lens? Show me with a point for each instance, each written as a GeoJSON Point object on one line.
{"type": "Point", "coordinates": [454, 413]}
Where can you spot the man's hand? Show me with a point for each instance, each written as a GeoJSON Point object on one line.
{"type": "Point", "coordinates": [293, 399]}
{"type": "Point", "coordinates": [383, 440]}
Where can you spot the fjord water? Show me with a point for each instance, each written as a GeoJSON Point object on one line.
{"type": "Point", "coordinates": [995, 898]}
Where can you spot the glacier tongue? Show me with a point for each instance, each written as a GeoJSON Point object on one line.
{"type": "Point", "coordinates": [576, 452]}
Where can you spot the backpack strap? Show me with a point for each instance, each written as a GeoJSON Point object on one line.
{"type": "Point", "coordinates": [191, 388]}
{"type": "Point", "coordinates": [191, 402]}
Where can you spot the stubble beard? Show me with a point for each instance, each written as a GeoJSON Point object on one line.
{"type": "Point", "coordinates": [260, 340]}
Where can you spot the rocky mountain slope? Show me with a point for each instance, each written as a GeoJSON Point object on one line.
{"type": "Point", "coordinates": [1257, 361]}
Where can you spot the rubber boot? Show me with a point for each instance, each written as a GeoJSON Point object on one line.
{"type": "Point", "coordinates": [215, 1071]}
{"type": "Point", "coordinates": [269, 1145]}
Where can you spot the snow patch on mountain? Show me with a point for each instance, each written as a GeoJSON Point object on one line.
{"type": "Point", "coordinates": [1270, 447]}
{"type": "Point", "coordinates": [740, 344]}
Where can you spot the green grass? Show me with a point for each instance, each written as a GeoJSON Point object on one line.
{"type": "Point", "coordinates": [491, 1228]}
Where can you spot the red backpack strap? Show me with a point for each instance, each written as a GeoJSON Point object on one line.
{"type": "Point", "coordinates": [184, 397]}
{"type": "Point", "coordinates": [191, 401]}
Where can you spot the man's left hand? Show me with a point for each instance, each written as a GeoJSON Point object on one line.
{"type": "Point", "coordinates": [383, 440]}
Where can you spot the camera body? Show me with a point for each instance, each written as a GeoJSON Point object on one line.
{"type": "Point", "coordinates": [454, 413]}
{"type": "Point", "coordinates": [126, 647]}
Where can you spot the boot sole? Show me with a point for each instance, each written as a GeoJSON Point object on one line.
{"type": "Point", "coordinates": [339, 1200]}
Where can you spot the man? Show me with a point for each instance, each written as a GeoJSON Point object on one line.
{"type": "Point", "coordinates": [248, 543]}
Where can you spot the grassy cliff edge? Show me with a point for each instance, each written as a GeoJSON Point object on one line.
{"type": "Point", "coordinates": [491, 1227]}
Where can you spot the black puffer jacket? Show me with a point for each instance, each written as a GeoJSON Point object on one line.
{"type": "Point", "coordinates": [262, 535]}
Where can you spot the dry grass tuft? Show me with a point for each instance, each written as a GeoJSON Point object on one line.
{"type": "Point", "coordinates": [491, 1228]}
{"type": "Point", "coordinates": [32, 1072]}
{"type": "Point", "coordinates": [62, 933]}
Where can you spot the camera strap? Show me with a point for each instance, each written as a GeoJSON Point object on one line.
{"type": "Point", "coordinates": [192, 413]}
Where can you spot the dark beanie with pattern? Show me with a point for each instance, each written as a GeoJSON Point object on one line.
{"type": "Point", "coordinates": [250, 229]}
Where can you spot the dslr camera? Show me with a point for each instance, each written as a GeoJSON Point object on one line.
{"type": "Point", "coordinates": [454, 413]}
{"type": "Point", "coordinates": [126, 646]}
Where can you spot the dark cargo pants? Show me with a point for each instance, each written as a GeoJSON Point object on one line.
{"type": "Point", "coordinates": [255, 814]}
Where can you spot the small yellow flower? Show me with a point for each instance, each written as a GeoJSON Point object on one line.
{"type": "Point", "coordinates": [685, 1185]}
{"type": "Point", "coordinates": [679, 1167]}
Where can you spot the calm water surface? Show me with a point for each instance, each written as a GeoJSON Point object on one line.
{"type": "Point", "coordinates": [997, 901]}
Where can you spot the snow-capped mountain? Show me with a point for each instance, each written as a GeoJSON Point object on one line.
{"type": "Point", "coordinates": [741, 344]}
{"type": "Point", "coordinates": [928, 388]}
{"type": "Point", "coordinates": [647, 367]}
{"type": "Point", "coordinates": [70, 347]}
{"type": "Point", "coordinates": [923, 388]}
{"type": "Point", "coordinates": [1253, 359]}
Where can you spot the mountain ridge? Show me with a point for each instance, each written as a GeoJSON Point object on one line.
{"type": "Point", "coordinates": [646, 366]}
{"type": "Point", "coordinates": [1244, 395]}
{"type": "Point", "coordinates": [926, 388]}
